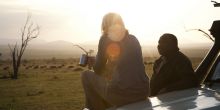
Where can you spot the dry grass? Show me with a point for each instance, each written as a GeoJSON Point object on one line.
{"type": "Point", "coordinates": [43, 87]}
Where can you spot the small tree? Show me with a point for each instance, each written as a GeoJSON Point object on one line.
{"type": "Point", "coordinates": [28, 32]}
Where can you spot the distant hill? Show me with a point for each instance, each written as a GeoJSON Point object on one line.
{"type": "Point", "coordinates": [45, 50]}
{"type": "Point", "coordinates": [63, 49]}
{"type": "Point", "coordinates": [6, 41]}
{"type": "Point", "coordinates": [191, 50]}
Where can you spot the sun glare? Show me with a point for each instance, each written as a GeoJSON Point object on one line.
{"type": "Point", "coordinates": [147, 20]}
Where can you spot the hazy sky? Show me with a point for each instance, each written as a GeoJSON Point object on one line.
{"type": "Point", "coordinates": [80, 20]}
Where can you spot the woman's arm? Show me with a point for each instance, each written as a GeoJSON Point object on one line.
{"type": "Point", "coordinates": [101, 57]}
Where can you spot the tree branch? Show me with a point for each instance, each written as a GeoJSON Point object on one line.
{"type": "Point", "coordinates": [200, 30]}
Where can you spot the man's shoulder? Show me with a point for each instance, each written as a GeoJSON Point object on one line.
{"type": "Point", "coordinates": [182, 58]}
{"type": "Point", "coordinates": [157, 61]}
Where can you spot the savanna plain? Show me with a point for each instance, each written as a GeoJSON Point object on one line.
{"type": "Point", "coordinates": [49, 84]}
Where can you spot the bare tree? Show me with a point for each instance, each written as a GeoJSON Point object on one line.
{"type": "Point", "coordinates": [28, 32]}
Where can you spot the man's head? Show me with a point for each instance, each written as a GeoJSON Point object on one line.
{"type": "Point", "coordinates": [167, 44]}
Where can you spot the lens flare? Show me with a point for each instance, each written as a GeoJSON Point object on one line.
{"type": "Point", "coordinates": [113, 51]}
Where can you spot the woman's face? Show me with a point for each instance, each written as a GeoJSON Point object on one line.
{"type": "Point", "coordinates": [116, 32]}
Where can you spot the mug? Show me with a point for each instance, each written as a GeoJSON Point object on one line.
{"type": "Point", "coordinates": [83, 60]}
{"type": "Point", "coordinates": [91, 61]}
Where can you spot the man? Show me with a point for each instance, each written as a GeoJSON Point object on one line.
{"type": "Point", "coordinates": [173, 70]}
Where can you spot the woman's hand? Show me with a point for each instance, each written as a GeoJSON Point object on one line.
{"type": "Point", "coordinates": [91, 61]}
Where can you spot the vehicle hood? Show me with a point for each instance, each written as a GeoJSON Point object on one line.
{"type": "Point", "coordinates": [195, 98]}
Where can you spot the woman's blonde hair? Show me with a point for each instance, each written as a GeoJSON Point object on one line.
{"type": "Point", "coordinates": [109, 20]}
{"type": "Point", "coordinates": [113, 27]}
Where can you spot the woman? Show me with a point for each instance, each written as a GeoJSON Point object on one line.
{"type": "Point", "coordinates": [119, 74]}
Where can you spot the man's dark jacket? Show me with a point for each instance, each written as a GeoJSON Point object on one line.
{"type": "Point", "coordinates": [172, 73]}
